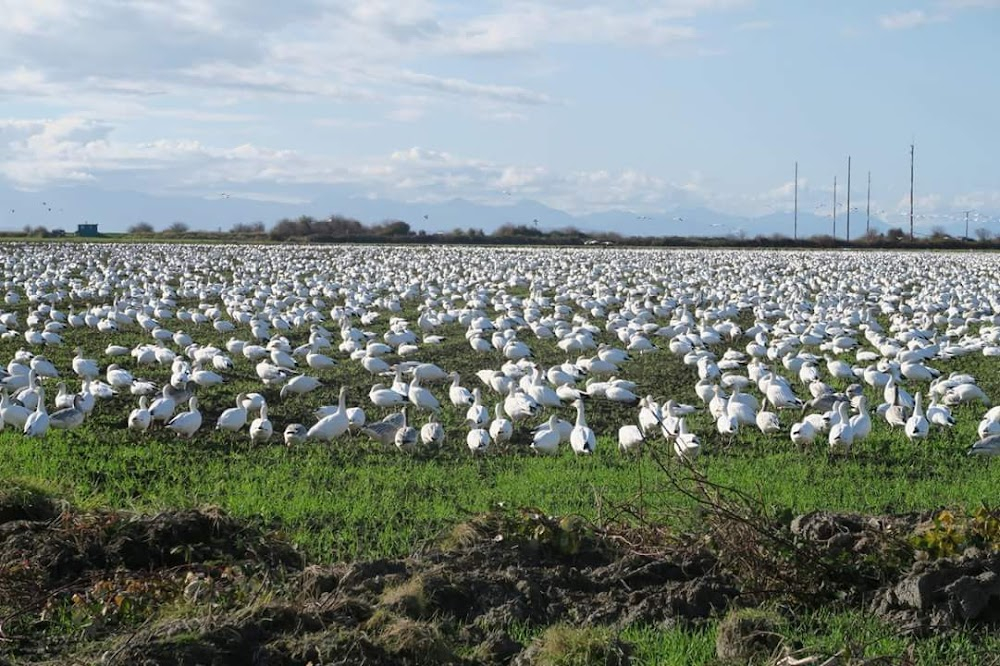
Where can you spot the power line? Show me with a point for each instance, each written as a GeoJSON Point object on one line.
{"type": "Point", "coordinates": [848, 198]}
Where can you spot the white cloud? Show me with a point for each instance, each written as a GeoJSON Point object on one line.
{"type": "Point", "coordinates": [905, 20]}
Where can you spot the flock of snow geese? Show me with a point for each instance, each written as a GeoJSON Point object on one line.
{"type": "Point", "coordinates": [824, 337]}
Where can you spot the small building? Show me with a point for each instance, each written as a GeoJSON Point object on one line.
{"type": "Point", "coordinates": [89, 230]}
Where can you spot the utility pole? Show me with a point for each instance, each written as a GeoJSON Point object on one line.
{"type": "Point", "coordinates": [795, 231]}
{"type": "Point", "coordinates": [848, 198]}
{"type": "Point", "coordinates": [834, 207]}
{"type": "Point", "coordinates": [967, 224]}
{"type": "Point", "coordinates": [911, 191]}
{"type": "Point", "coordinates": [868, 206]}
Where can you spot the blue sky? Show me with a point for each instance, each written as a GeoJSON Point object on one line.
{"type": "Point", "coordinates": [582, 106]}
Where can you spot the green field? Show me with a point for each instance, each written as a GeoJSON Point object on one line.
{"type": "Point", "coordinates": [353, 499]}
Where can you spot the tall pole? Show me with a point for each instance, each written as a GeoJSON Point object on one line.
{"type": "Point", "coordinates": [795, 231]}
{"type": "Point", "coordinates": [911, 191]}
{"type": "Point", "coordinates": [848, 198]}
{"type": "Point", "coordinates": [868, 206]}
{"type": "Point", "coordinates": [967, 224]}
{"type": "Point", "coordinates": [835, 207]}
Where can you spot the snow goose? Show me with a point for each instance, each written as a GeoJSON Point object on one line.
{"type": "Point", "coordinates": [478, 440]}
{"type": "Point", "coordinates": [916, 426]}
{"type": "Point", "coordinates": [630, 438]}
{"type": "Point", "coordinates": [841, 434]}
{"type": "Point", "coordinates": [383, 397]}
{"type": "Point", "coordinates": [582, 439]}
{"type": "Point", "coordinates": [299, 385]}
{"type": "Point", "coordinates": [234, 418]}
{"type": "Point", "coordinates": [186, 424]}
{"type": "Point", "coordinates": [987, 446]}
{"type": "Point", "coordinates": [432, 433]}
{"type": "Point", "coordinates": [459, 395]}
{"type": "Point", "coordinates": [421, 397]}
{"type": "Point", "coordinates": [334, 425]}
{"type": "Point", "coordinates": [501, 429]}
{"type": "Point", "coordinates": [546, 440]}
{"type": "Point", "coordinates": [37, 423]}
{"type": "Point", "coordinates": [68, 417]}
{"type": "Point", "coordinates": [686, 445]}
{"type": "Point", "coordinates": [261, 427]}
{"type": "Point", "coordinates": [140, 418]}
{"type": "Point", "coordinates": [295, 434]}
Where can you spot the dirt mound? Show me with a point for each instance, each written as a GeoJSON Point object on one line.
{"type": "Point", "coordinates": [945, 593]}
{"type": "Point", "coordinates": [202, 587]}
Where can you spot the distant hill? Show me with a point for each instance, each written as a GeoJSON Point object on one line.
{"type": "Point", "coordinates": [115, 211]}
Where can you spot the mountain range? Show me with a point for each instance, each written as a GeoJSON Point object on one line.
{"type": "Point", "coordinates": [65, 207]}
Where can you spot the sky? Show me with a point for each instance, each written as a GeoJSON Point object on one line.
{"type": "Point", "coordinates": [620, 104]}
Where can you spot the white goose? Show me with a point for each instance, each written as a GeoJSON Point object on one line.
{"type": "Point", "coordinates": [546, 440]}
{"type": "Point", "coordinates": [186, 424]}
{"type": "Point", "coordinates": [261, 427]}
{"type": "Point", "coordinates": [501, 429]}
{"type": "Point", "coordinates": [421, 397]}
{"type": "Point", "coordinates": [334, 425]}
{"type": "Point", "coordinates": [140, 418]}
{"type": "Point", "coordinates": [917, 425]}
{"type": "Point", "coordinates": [459, 395]}
{"type": "Point", "coordinates": [37, 423]}
{"type": "Point", "coordinates": [234, 418]}
{"type": "Point", "coordinates": [630, 438]}
{"type": "Point", "coordinates": [686, 445]}
{"type": "Point", "coordinates": [582, 438]}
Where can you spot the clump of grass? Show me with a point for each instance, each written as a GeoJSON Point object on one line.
{"type": "Point", "coordinates": [563, 645]}
{"type": "Point", "coordinates": [23, 501]}
{"type": "Point", "coordinates": [749, 635]}
{"type": "Point", "coordinates": [409, 598]}
{"type": "Point", "coordinates": [416, 640]}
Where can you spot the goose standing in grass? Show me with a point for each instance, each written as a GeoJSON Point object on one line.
{"type": "Point", "coordinates": [234, 418]}
{"type": "Point", "coordinates": [421, 398]}
{"type": "Point", "coordinates": [332, 426]}
{"type": "Point", "coordinates": [117, 377]}
{"type": "Point", "coordinates": [803, 433]}
{"type": "Point", "coordinates": [68, 417]}
{"type": "Point", "coordinates": [459, 395]}
{"type": "Point", "coordinates": [917, 425]}
{"type": "Point", "coordinates": [582, 439]}
{"type": "Point", "coordinates": [318, 361]}
{"type": "Point", "coordinates": [383, 397]}
{"type": "Point", "coordinates": [478, 440]}
{"type": "Point", "coordinates": [163, 407]}
{"type": "Point", "coordinates": [13, 413]}
{"type": "Point", "coordinates": [384, 431]}
{"type": "Point", "coordinates": [295, 434]}
{"type": "Point", "coordinates": [477, 415]}
{"type": "Point", "coordinates": [861, 422]}
{"type": "Point", "coordinates": [432, 434]}
{"type": "Point", "coordinates": [406, 437]}
{"type": "Point", "coordinates": [768, 422]}
{"type": "Point", "coordinates": [186, 424]}
{"type": "Point", "coordinates": [501, 429]}
{"type": "Point", "coordinates": [841, 433]}
{"type": "Point", "coordinates": [37, 423]}
{"type": "Point", "coordinates": [686, 444]}
{"type": "Point", "coordinates": [86, 368]}
{"type": "Point", "coordinates": [299, 385]}
{"type": "Point", "coordinates": [546, 440]}
{"type": "Point", "coordinates": [261, 427]}
{"type": "Point", "coordinates": [630, 438]}
{"type": "Point", "coordinates": [140, 418]}
{"type": "Point", "coordinates": [939, 415]}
